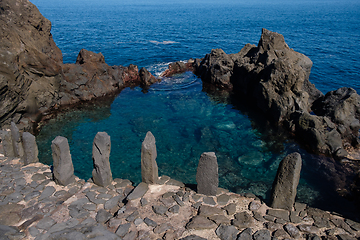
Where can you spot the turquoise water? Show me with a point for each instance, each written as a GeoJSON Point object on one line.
{"type": "Point", "coordinates": [185, 119]}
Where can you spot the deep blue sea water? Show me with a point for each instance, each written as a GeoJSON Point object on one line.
{"type": "Point", "coordinates": [185, 120]}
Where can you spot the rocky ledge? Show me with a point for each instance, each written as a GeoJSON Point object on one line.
{"type": "Point", "coordinates": [276, 79]}
{"type": "Point", "coordinates": [33, 79]}
{"type": "Point", "coordinates": [32, 206]}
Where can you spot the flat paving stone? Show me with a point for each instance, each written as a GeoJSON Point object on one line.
{"type": "Point", "coordinates": [220, 219]}
{"type": "Point", "coordinates": [46, 223]}
{"type": "Point", "coordinates": [281, 234]}
{"type": "Point", "coordinates": [139, 191]}
{"type": "Point", "coordinates": [133, 216]}
{"type": "Point", "coordinates": [262, 234]}
{"type": "Point", "coordinates": [209, 200]}
{"type": "Point", "coordinates": [200, 222]}
{"type": "Point", "coordinates": [89, 207]}
{"type": "Point", "coordinates": [160, 210]}
{"type": "Point", "coordinates": [38, 177]}
{"type": "Point", "coordinates": [223, 199]}
{"type": "Point", "coordinates": [207, 211]}
{"type": "Point", "coordinates": [104, 196]}
{"type": "Point", "coordinates": [243, 220]}
{"type": "Point", "coordinates": [178, 200]}
{"type": "Point", "coordinates": [226, 232]}
{"type": "Point", "coordinates": [246, 234]}
{"type": "Point", "coordinates": [278, 213]}
{"type": "Point", "coordinates": [14, 197]}
{"type": "Point", "coordinates": [123, 229]}
{"type": "Point", "coordinates": [292, 231]}
{"type": "Point", "coordinates": [196, 197]}
{"type": "Point", "coordinates": [102, 216]}
{"type": "Point", "coordinates": [48, 191]}
{"type": "Point", "coordinates": [150, 222]}
{"type": "Point", "coordinates": [174, 182]}
{"type": "Point", "coordinates": [162, 228]}
{"type": "Point", "coordinates": [230, 208]}
{"type": "Point", "coordinates": [174, 209]}
{"type": "Point", "coordinates": [113, 202]}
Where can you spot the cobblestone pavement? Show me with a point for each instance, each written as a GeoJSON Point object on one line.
{"type": "Point", "coordinates": [32, 206]}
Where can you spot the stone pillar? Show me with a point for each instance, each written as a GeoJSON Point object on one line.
{"type": "Point", "coordinates": [63, 167]}
{"type": "Point", "coordinates": [207, 176]}
{"type": "Point", "coordinates": [7, 143]}
{"type": "Point", "coordinates": [101, 153]}
{"type": "Point", "coordinates": [286, 181]}
{"type": "Point", "coordinates": [149, 168]}
{"type": "Point", "coordinates": [16, 139]}
{"type": "Point", "coordinates": [30, 148]}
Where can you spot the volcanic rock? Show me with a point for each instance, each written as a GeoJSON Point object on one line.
{"type": "Point", "coordinates": [149, 168]}
{"type": "Point", "coordinates": [30, 148]}
{"type": "Point", "coordinates": [63, 166]}
{"type": "Point", "coordinates": [33, 78]}
{"type": "Point", "coordinates": [207, 176]}
{"type": "Point", "coordinates": [101, 152]}
{"type": "Point", "coordinates": [276, 78]}
{"type": "Point", "coordinates": [285, 184]}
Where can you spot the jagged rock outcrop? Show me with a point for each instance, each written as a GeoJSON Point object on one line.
{"type": "Point", "coordinates": [30, 61]}
{"type": "Point", "coordinates": [276, 78]}
{"type": "Point", "coordinates": [178, 67]}
{"type": "Point", "coordinates": [342, 107]}
{"type": "Point", "coordinates": [33, 78]}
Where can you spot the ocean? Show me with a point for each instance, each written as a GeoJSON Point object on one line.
{"type": "Point", "coordinates": [185, 119]}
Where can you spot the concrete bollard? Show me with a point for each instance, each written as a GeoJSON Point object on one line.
{"type": "Point", "coordinates": [63, 170]}
{"type": "Point", "coordinates": [149, 168]}
{"type": "Point", "coordinates": [16, 139]}
{"type": "Point", "coordinates": [7, 143]}
{"type": "Point", "coordinates": [30, 148]}
{"type": "Point", "coordinates": [101, 153]}
{"type": "Point", "coordinates": [207, 176]}
{"type": "Point", "coordinates": [286, 181]}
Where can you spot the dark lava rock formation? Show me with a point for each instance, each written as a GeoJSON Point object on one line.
{"type": "Point", "coordinates": [276, 79]}
{"type": "Point", "coordinates": [33, 78]}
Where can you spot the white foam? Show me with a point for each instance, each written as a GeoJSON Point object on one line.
{"type": "Point", "coordinates": [163, 42]}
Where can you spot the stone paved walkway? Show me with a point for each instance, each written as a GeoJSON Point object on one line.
{"type": "Point", "coordinates": [36, 208]}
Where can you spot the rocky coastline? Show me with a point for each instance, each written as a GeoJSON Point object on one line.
{"type": "Point", "coordinates": [276, 79]}
{"type": "Point", "coordinates": [34, 82]}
